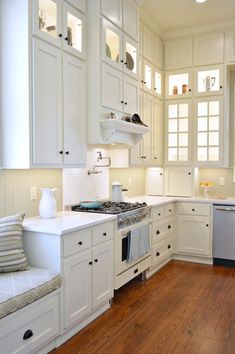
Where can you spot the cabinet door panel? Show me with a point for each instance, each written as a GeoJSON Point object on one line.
{"type": "Point", "coordinates": [147, 43]}
{"type": "Point", "coordinates": [178, 182]}
{"type": "Point", "coordinates": [209, 49]}
{"type": "Point", "coordinates": [112, 9]}
{"type": "Point", "coordinates": [179, 54]}
{"type": "Point", "coordinates": [74, 110]}
{"type": "Point", "coordinates": [131, 94]}
{"type": "Point", "coordinates": [79, 4]}
{"type": "Point", "coordinates": [157, 132]}
{"type": "Point", "coordinates": [131, 19]}
{"type": "Point", "coordinates": [77, 287]}
{"type": "Point", "coordinates": [112, 92]}
{"type": "Point", "coordinates": [102, 273]}
{"type": "Point", "coordinates": [147, 118]}
{"type": "Point", "coordinates": [47, 110]}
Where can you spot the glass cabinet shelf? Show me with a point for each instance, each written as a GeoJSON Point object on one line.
{"type": "Point", "coordinates": [208, 81]}
{"type": "Point", "coordinates": [178, 84]}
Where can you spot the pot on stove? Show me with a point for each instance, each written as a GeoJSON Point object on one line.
{"type": "Point", "coordinates": [117, 192]}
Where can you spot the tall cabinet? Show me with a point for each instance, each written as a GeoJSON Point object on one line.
{"type": "Point", "coordinates": [45, 124]}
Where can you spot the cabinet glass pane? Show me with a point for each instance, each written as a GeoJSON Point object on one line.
{"type": "Point", "coordinates": [74, 32]}
{"type": "Point", "coordinates": [172, 140]}
{"type": "Point", "coordinates": [172, 154]}
{"type": "Point", "coordinates": [183, 154]}
{"type": "Point", "coordinates": [202, 154]}
{"type": "Point", "coordinates": [202, 124]}
{"type": "Point", "coordinates": [172, 111]}
{"type": "Point", "coordinates": [214, 123]}
{"type": "Point", "coordinates": [213, 154]}
{"type": "Point", "coordinates": [148, 76]}
{"type": "Point", "coordinates": [178, 84]}
{"type": "Point", "coordinates": [202, 139]}
{"type": "Point", "coordinates": [183, 139]}
{"type": "Point", "coordinates": [131, 58]}
{"type": "Point", "coordinates": [183, 110]}
{"type": "Point", "coordinates": [112, 45]}
{"type": "Point", "coordinates": [208, 80]}
{"type": "Point", "coordinates": [202, 109]}
{"type": "Point", "coordinates": [48, 17]}
{"type": "Point", "coordinates": [183, 125]}
{"type": "Point", "coordinates": [157, 83]}
{"type": "Point", "coordinates": [172, 125]}
{"type": "Point", "coordinates": [214, 108]}
{"type": "Point", "coordinates": [214, 138]}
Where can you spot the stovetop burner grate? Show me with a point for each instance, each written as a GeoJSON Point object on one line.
{"type": "Point", "coordinates": [110, 207]}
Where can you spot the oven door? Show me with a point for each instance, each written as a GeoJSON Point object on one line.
{"type": "Point", "coordinates": [121, 248]}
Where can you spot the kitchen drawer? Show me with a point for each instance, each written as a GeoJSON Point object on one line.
{"type": "Point", "coordinates": [76, 242]}
{"type": "Point", "coordinates": [162, 251]}
{"type": "Point", "coordinates": [41, 318]}
{"type": "Point", "coordinates": [102, 232]}
{"type": "Point", "coordinates": [158, 213]}
{"type": "Point", "coordinates": [194, 208]}
{"type": "Point", "coordinates": [162, 229]}
{"type": "Point", "coordinates": [169, 209]}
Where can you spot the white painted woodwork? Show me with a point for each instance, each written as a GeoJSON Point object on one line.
{"type": "Point", "coordinates": [209, 49]}
{"type": "Point", "coordinates": [117, 59]}
{"type": "Point", "coordinates": [154, 181]}
{"type": "Point", "coordinates": [74, 110]}
{"type": "Point", "coordinates": [157, 132]}
{"type": "Point", "coordinates": [130, 94]}
{"type": "Point", "coordinates": [141, 25]}
{"type": "Point", "coordinates": [157, 83]}
{"type": "Point", "coordinates": [178, 181]}
{"type": "Point", "coordinates": [102, 276]}
{"type": "Point", "coordinates": [202, 209]}
{"type": "Point", "coordinates": [148, 76]}
{"type": "Point", "coordinates": [47, 99]}
{"type": "Point", "coordinates": [129, 43]}
{"type": "Point", "coordinates": [147, 119]}
{"type": "Point", "coordinates": [147, 47]}
{"type": "Point", "coordinates": [230, 47]}
{"type": "Point", "coordinates": [162, 251]}
{"type": "Point", "coordinates": [78, 4]}
{"type": "Point", "coordinates": [178, 54]}
{"type": "Point", "coordinates": [131, 19]}
{"type": "Point", "coordinates": [175, 79]}
{"type": "Point", "coordinates": [75, 242]}
{"type": "Point", "coordinates": [157, 52]}
{"type": "Point", "coordinates": [77, 289]}
{"type": "Point", "coordinates": [136, 151]}
{"type": "Point", "coordinates": [194, 235]}
{"type": "Point", "coordinates": [112, 88]}
{"type": "Point", "coordinates": [214, 69]}
{"type": "Point", "coordinates": [112, 9]}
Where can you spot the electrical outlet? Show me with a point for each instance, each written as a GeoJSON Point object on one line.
{"type": "Point", "coordinates": [33, 193]}
{"type": "Point", "coordinates": [221, 181]}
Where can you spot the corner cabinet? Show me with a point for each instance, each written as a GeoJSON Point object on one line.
{"type": "Point", "coordinates": [46, 125]}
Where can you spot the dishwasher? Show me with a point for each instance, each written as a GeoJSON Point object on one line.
{"type": "Point", "coordinates": [224, 235]}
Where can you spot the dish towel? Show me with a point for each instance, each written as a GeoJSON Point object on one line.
{"type": "Point", "coordinates": [138, 243]}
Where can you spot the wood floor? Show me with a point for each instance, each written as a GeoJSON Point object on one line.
{"type": "Point", "coordinates": [185, 308]}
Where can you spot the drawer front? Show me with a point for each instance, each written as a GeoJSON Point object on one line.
{"type": "Point", "coordinates": [169, 209]}
{"type": "Point", "coordinates": [41, 320]}
{"type": "Point", "coordinates": [158, 213]}
{"type": "Point", "coordinates": [76, 242]}
{"type": "Point", "coordinates": [162, 251]}
{"type": "Point", "coordinates": [103, 232]}
{"type": "Point", "coordinates": [162, 230]}
{"type": "Point", "coordinates": [194, 208]}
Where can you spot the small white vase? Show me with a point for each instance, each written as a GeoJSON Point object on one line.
{"type": "Point", "coordinates": [47, 205]}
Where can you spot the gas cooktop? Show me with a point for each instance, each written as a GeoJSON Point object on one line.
{"type": "Point", "coordinates": [110, 207]}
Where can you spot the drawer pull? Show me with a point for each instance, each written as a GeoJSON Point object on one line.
{"type": "Point", "coordinates": [28, 334]}
{"type": "Point", "coordinates": [207, 225]}
{"type": "Point", "coordinates": [193, 209]}
{"type": "Point", "coordinates": [96, 260]}
{"type": "Point", "coordinates": [136, 270]}
{"type": "Point", "coordinates": [169, 226]}
{"type": "Point", "coordinates": [157, 254]}
{"type": "Point", "coordinates": [157, 232]}
{"type": "Point", "coordinates": [90, 263]}
{"type": "Point", "coordinates": [80, 243]}
{"type": "Point", "coordinates": [169, 246]}
{"type": "Point", "coordinates": [159, 214]}
{"type": "Point", "coordinates": [104, 233]}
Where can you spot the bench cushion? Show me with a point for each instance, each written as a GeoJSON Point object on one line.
{"type": "Point", "coordinates": [18, 289]}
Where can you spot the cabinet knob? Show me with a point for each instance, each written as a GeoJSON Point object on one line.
{"type": "Point", "coordinates": [169, 210]}
{"type": "Point", "coordinates": [169, 246]}
{"type": "Point", "coordinates": [66, 39]}
{"type": "Point", "coordinates": [169, 227]}
{"type": "Point", "coordinates": [104, 233]}
{"type": "Point", "coordinates": [159, 214]}
{"type": "Point", "coordinates": [190, 90]}
{"type": "Point", "coordinates": [125, 103]}
{"type": "Point", "coordinates": [60, 35]}
{"type": "Point", "coordinates": [157, 232]}
{"type": "Point", "coordinates": [90, 263]}
{"type": "Point", "coordinates": [122, 101]}
{"type": "Point", "coordinates": [96, 260]}
{"type": "Point", "coordinates": [67, 152]}
{"type": "Point", "coordinates": [189, 173]}
{"type": "Point", "coordinates": [80, 243]}
{"type": "Point", "coordinates": [155, 158]}
{"type": "Point", "coordinates": [155, 88]}
{"type": "Point", "coordinates": [61, 152]}
{"type": "Point", "coordinates": [193, 209]}
{"type": "Point", "coordinates": [28, 334]}
{"type": "Point", "coordinates": [207, 225]}
{"type": "Point", "coordinates": [221, 86]}
{"type": "Point", "coordinates": [142, 81]}
{"type": "Point", "coordinates": [136, 270]}
{"type": "Point", "coordinates": [121, 61]}
{"type": "Point", "coordinates": [145, 82]}
{"type": "Point", "coordinates": [160, 174]}
{"type": "Point", "coordinates": [157, 254]}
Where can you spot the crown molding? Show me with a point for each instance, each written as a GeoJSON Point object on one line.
{"type": "Point", "coordinates": [151, 22]}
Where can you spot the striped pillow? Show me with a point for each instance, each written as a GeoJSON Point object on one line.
{"type": "Point", "coordinates": [12, 257]}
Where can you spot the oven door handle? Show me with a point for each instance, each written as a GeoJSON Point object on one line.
{"type": "Point", "coordinates": [125, 230]}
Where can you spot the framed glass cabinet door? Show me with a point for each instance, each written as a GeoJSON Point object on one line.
{"type": "Point", "coordinates": [208, 80]}
{"type": "Point", "coordinates": [112, 52]}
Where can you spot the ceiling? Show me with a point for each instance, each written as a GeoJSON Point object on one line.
{"type": "Point", "coordinates": [178, 14]}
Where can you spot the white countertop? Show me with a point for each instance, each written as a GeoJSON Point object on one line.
{"type": "Point", "coordinates": [65, 222]}
{"type": "Point", "coordinates": [68, 221]}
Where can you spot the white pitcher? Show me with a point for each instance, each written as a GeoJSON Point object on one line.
{"type": "Point", "coordinates": [47, 205]}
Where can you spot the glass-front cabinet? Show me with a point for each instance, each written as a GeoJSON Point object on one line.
{"type": "Point", "coordinates": [178, 132]}
{"type": "Point", "coordinates": [208, 80]}
{"type": "Point", "coordinates": [209, 128]}
{"type": "Point", "coordinates": [130, 57]}
{"type": "Point", "coordinates": [178, 84]}
{"type": "Point", "coordinates": [60, 24]}
{"type": "Point", "coordinates": [148, 76]}
{"type": "Point", "coordinates": [157, 82]}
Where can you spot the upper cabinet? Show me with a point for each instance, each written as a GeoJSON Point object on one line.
{"type": "Point", "coordinates": [112, 9]}
{"type": "Point", "coordinates": [60, 24]}
{"type": "Point", "coordinates": [157, 52]}
{"type": "Point", "coordinates": [209, 49]}
{"type": "Point", "coordinates": [147, 46]}
{"type": "Point", "coordinates": [208, 80]}
{"type": "Point", "coordinates": [230, 47]}
{"type": "Point", "coordinates": [178, 54]}
{"type": "Point", "coordinates": [178, 83]}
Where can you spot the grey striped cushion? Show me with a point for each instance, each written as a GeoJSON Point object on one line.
{"type": "Point", "coordinates": [12, 257]}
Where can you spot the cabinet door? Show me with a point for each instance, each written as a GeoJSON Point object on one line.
{"type": "Point", "coordinates": [131, 95]}
{"type": "Point", "coordinates": [131, 56]}
{"type": "Point", "coordinates": [178, 84]}
{"type": "Point", "coordinates": [73, 31]}
{"type": "Point", "coordinates": [209, 49]}
{"type": "Point", "coordinates": [47, 107]}
{"type": "Point", "coordinates": [112, 9]}
{"type": "Point", "coordinates": [136, 152]}
{"type": "Point", "coordinates": [208, 80]}
{"type": "Point", "coordinates": [147, 138]}
{"type": "Point", "coordinates": [194, 235]}
{"type": "Point", "coordinates": [154, 181]}
{"type": "Point", "coordinates": [157, 132]}
{"type": "Point", "coordinates": [157, 82]}
{"type": "Point", "coordinates": [230, 47]}
{"type": "Point", "coordinates": [74, 109]}
{"type": "Point", "coordinates": [148, 76]}
{"type": "Point", "coordinates": [47, 20]}
{"type": "Point", "coordinates": [158, 52]}
{"type": "Point", "coordinates": [131, 19]}
{"type": "Point", "coordinates": [102, 273]}
{"type": "Point", "coordinates": [79, 4]}
{"type": "Point", "coordinates": [178, 54]}
{"type": "Point", "coordinates": [147, 43]}
{"type": "Point", "coordinates": [112, 45]}
{"type": "Point", "coordinates": [178, 182]}
{"type": "Point", "coordinates": [77, 287]}
{"type": "Point", "coordinates": [112, 89]}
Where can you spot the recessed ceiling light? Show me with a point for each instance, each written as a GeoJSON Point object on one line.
{"type": "Point", "coordinates": [200, 1]}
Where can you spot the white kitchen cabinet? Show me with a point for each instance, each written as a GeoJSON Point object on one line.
{"type": "Point", "coordinates": [60, 24]}
{"type": "Point", "coordinates": [178, 84]}
{"type": "Point", "coordinates": [157, 52]}
{"type": "Point", "coordinates": [178, 181]}
{"type": "Point", "coordinates": [112, 9]}
{"type": "Point", "coordinates": [209, 49]}
{"type": "Point", "coordinates": [147, 50]}
{"type": "Point", "coordinates": [58, 114]}
{"type": "Point", "coordinates": [131, 19]}
{"type": "Point", "coordinates": [154, 181]}
{"type": "Point", "coordinates": [130, 95]}
{"type": "Point", "coordinates": [157, 82]}
{"type": "Point", "coordinates": [79, 4]}
{"type": "Point", "coordinates": [230, 47]}
{"type": "Point", "coordinates": [178, 53]}
{"type": "Point", "coordinates": [157, 132]}
{"type": "Point", "coordinates": [147, 141]}
{"type": "Point", "coordinates": [208, 80]}
{"type": "Point", "coordinates": [147, 76]}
